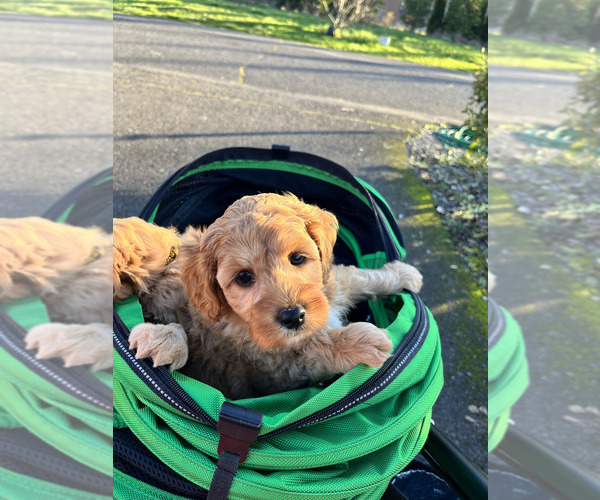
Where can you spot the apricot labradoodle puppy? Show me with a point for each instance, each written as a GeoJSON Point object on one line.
{"type": "Point", "coordinates": [69, 268]}
{"type": "Point", "coordinates": [253, 304]}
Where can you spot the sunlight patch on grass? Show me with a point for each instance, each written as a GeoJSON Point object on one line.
{"type": "Point", "coordinates": [310, 30]}
{"type": "Point", "coordinates": [506, 51]}
{"type": "Point", "coordinates": [83, 9]}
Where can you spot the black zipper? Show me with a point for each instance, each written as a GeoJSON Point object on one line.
{"type": "Point", "coordinates": [159, 380]}
{"type": "Point", "coordinates": [171, 392]}
{"type": "Point", "coordinates": [78, 381]}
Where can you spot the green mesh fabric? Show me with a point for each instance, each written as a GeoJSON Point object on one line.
{"type": "Point", "coordinates": [27, 312]}
{"type": "Point", "coordinates": [508, 375]}
{"type": "Point", "coordinates": [68, 424]}
{"type": "Point", "coordinates": [353, 455]}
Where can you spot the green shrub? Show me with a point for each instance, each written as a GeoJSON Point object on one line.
{"type": "Point", "coordinates": [568, 20]}
{"type": "Point", "coordinates": [477, 109]}
{"type": "Point", "coordinates": [498, 12]}
{"type": "Point", "coordinates": [587, 122]}
{"type": "Point", "coordinates": [463, 19]}
{"type": "Point", "coordinates": [592, 31]}
{"type": "Point", "coordinates": [518, 17]}
{"type": "Point", "coordinates": [572, 20]}
{"type": "Point", "coordinates": [416, 13]}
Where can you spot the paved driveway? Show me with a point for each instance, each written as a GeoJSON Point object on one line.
{"type": "Point", "coordinates": [56, 112]}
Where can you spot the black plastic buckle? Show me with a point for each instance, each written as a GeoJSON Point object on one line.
{"type": "Point", "coordinates": [239, 428]}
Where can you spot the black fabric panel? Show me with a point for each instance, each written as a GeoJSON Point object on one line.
{"type": "Point", "coordinates": [131, 457]}
{"type": "Point", "coordinates": [200, 199]}
{"type": "Point", "coordinates": [24, 453]}
{"type": "Point", "coordinates": [274, 154]}
{"type": "Point", "coordinates": [92, 205]}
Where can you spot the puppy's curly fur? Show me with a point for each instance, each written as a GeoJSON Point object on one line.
{"type": "Point", "coordinates": [253, 304]}
{"type": "Point", "coordinates": [69, 269]}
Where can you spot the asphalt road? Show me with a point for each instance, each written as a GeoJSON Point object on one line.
{"type": "Point", "coordinates": [56, 112]}
{"type": "Point", "coordinates": [182, 91]}
{"type": "Point", "coordinates": [178, 95]}
{"type": "Point", "coordinates": [518, 96]}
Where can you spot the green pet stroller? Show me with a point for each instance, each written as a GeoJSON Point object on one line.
{"type": "Point", "coordinates": [175, 437]}
{"type": "Point", "coordinates": [55, 422]}
{"type": "Point", "coordinates": [519, 463]}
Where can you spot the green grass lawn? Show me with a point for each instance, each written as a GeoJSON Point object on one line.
{"type": "Point", "coordinates": [88, 9]}
{"type": "Point", "coordinates": [506, 51]}
{"type": "Point", "coordinates": [304, 28]}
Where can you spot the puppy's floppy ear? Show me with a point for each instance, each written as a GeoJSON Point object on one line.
{"type": "Point", "coordinates": [121, 289]}
{"type": "Point", "coordinates": [199, 263]}
{"type": "Point", "coordinates": [322, 226]}
{"type": "Point", "coordinates": [141, 252]}
{"type": "Point", "coordinates": [128, 255]}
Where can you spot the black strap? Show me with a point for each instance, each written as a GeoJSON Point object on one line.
{"type": "Point", "coordinates": [238, 427]}
{"type": "Point", "coordinates": [227, 466]}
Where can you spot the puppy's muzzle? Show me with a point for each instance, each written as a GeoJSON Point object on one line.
{"type": "Point", "coordinates": [292, 317]}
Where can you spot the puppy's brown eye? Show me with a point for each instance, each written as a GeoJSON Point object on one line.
{"type": "Point", "coordinates": [244, 278]}
{"type": "Point", "coordinates": [296, 259]}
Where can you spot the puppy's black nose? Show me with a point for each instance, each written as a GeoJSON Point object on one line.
{"type": "Point", "coordinates": [292, 317]}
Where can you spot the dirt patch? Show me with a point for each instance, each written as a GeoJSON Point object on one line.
{"type": "Point", "coordinates": [557, 193]}
{"type": "Point", "coordinates": [458, 182]}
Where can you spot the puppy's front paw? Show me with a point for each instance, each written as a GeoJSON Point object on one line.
{"type": "Point", "coordinates": [408, 276]}
{"type": "Point", "coordinates": [76, 344]}
{"type": "Point", "coordinates": [359, 343]}
{"type": "Point", "coordinates": [165, 344]}
{"type": "Point", "coordinates": [376, 346]}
